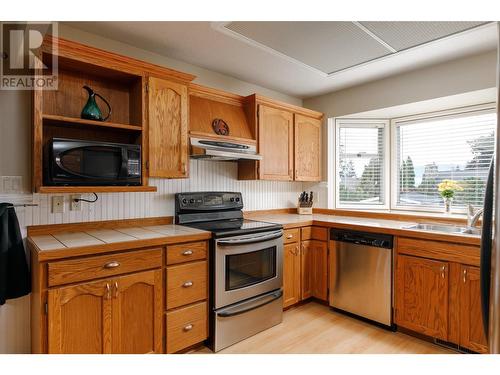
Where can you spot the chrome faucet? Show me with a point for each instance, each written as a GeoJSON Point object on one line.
{"type": "Point", "coordinates": [473, 216]}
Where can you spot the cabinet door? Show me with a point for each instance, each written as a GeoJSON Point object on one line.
{"type": "Point", "coordinates": [137, 313]}
{"type": "Point", "coordinates": [79, 319]}
{"type": "Point", "coordinates": [422, 295]}
{"type": "Point", "coordinates": [307, 149]}
{"type": "Point", "coordinates": [275, 144]}
{"type": "Point", "coordinates": [168, 129]}
{"type": "Point", "coordinates": [471, 321]}
{"type": "Point", "coordinates": [291, 274]}
{"type": "Point", "coordinates": [306, 260]}
{"type": "Point", "coordinates": [319, 270]}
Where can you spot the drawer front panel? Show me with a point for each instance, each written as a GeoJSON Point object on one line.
{"type": "Point", "coordinates": [186, 283]}
{"type": "Point", "coordinates": [291, 235]}
{"type": "Point", "coordinates": [186, 326]}
{"type": "Point", "coordinates": [77, 270]}
{"type": "Point", "coordinates": [314, 233]}
{"type": "Point", "coordinates": [186, 252]}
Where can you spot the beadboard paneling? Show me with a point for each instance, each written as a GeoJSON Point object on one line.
{"type": "Point", "coordinates": [204, 176]}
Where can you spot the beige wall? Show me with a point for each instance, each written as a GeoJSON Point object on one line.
{"type": "Point", "coordinates": [456, 77]}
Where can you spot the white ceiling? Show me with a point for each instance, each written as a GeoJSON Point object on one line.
{"type": "Point", "coordinates": [304, 59]}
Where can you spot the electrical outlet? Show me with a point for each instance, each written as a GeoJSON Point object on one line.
{"type": "Point", "coordinates": [57, 204]}
{"type": "Point", "coordinates": [75, 205]}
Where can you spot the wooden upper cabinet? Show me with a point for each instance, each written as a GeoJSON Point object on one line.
{"type": "Point", "coordinates": [79, 319]}
{"type": "Point", "coordinates": [137, 313]}
{"type": "Point", "coordinates": [422, 295]}
{"type": "Point", "coordinates": [307, 148]}
{"type": "Point", "coordinates": [291, 274]}
{"type": "Point", "coordinates": [168, 128]}
{"type": "Point", "coordinates": [471, 322]}
{"type": "Point", "coordinates": [275, 143]}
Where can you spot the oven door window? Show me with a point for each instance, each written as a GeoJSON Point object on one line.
{"type": "Point", "coordinates": [250, 268]}
{"type": "Point", "coordinates": [93, 161]}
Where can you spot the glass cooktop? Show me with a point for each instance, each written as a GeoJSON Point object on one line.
{"type": "Point", "coordinates": [233, 227]}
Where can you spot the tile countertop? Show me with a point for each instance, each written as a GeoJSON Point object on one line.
{"type": "Point", "coordinates": [394, 227]}
{"type": "Point", "coordinates": [95, 241]}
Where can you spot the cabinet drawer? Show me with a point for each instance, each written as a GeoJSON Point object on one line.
{"type": "Point", "coordinates": [186, 283]}
{"type": "Point", "coordinates": [292, 235]}
{"type": "Point", "coordinates": [186, 326]}
{"type": "Point", "coordinates": [446, 251]}
{"type": "Point", "coordinates": [76, 270]}
{"type": "Point", "coordinates": [314, 233]}
{"type": "Point", "coordinates": [186, 252]}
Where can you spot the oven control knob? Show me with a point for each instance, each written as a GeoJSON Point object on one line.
{"type": "Point", "coordinates": [191, 201]}
{"type": "Point", "coordinates": [231, 199]}
{"type": "Point", "coordinates": [237, 199]}
{"type": "Point", "coordinates": [184, 200]}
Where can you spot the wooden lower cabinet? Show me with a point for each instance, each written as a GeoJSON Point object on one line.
{"type": "Point", "coordinates": [79, 319]}
{"type": "Point", "coordinates": [471, 330]}
{"type": "Point", "coordinates": [119, 315]}
{"type": "Point", "coordinates": [137, 313]}
{"type": "Point", "coordinates": [291, 274]}
{"type": "Point", "coordinates": [186, 326]}
{"type": "Point", "coordinates": [422, 295]}
{"type": "Point", "coordinates": [314, 262]}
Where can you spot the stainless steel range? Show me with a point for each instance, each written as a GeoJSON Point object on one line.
{"type": "Point", "coordinates": [246, 265]}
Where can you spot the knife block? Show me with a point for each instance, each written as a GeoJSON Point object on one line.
{"type": "Point", "coordinates": [304, 210]}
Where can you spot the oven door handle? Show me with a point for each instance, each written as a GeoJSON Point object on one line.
{"type": "Point", "coordinates": [243, 241]}
{"type": "Point", "coordinates": [250, 305]}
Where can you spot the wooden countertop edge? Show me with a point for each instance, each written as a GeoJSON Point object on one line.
{"type": "Point", "coordinates": [45, 255]}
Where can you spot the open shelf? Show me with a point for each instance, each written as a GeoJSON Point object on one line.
{"type": "Point", "coordinates": [94, 189]}
{"type": "Point", "coordinates": [65, 120]}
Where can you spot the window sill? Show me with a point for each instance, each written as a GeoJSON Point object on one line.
{"type": "Point", "coordinates": [402, 215]}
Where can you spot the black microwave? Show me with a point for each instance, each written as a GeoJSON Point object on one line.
{"type": "Point", "coordinates": [79, 162]}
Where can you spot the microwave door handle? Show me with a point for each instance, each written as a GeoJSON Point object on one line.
{"type": "Point", "coordinates": [123, 169]}
{"type": "Point", "coordinates": [243, 241]}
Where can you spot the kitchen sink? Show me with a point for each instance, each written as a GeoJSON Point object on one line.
{"type": "Point", "coordinates": [445, 228]}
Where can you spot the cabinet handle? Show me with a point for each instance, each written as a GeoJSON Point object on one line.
{"type": "Point", "coordinates": [188, 252]}
{"type": "Point", "coordinates": [465, 275]}
{"type": "Point", "coordinates": [443, 268]}
{"type": "Point", "coordinates": [188, 328]}
{"type": "Point", "coordinates": [187, 284]}
{"type": "Point", "coordinates": [184, 167]}
{"type": "Point", "coordinates": [289, 236]}
{"type": "Point", "coordinates": [112, 264]}
{"type": "Point", "coordinates": [108, 291]}
{"type": "Point", "coordinates": [116, 289]}
{"type": "Point", "coordinates": [297, 250]}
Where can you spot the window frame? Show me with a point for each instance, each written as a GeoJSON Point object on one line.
{"type": "Point", "coordinates": [391, 167]}
{"type": "Point", "coordinates": [446, 114]}
{"type": "Point", "coordinates": [369, 124]}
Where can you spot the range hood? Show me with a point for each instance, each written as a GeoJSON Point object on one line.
{"type": "Point", "coordinates": [222, 150]}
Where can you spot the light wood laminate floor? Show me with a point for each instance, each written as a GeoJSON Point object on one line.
{"type": "Point", "coordinates": [313, 328]}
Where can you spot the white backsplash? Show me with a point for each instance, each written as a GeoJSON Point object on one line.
{"type": "Point", "coordinates": [204, 175]}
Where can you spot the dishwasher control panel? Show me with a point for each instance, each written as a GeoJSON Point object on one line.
{"type": "Point", "coordinates": [362, 238]}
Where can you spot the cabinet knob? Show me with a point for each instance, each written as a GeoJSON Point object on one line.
{"type": "Point", "coordinates": [187, 252]}
{"type": "Point", "coordinates": [187, 284]}
{"type": "Point", "coordinates": [187, 328]}
{"type": "Point", "coordinates": [112, 264]}
{"type": "Point", "coordinates": [289, 236]}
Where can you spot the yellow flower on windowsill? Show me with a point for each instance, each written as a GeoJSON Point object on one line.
{"type": "Point", "coordinates": [447, 188]}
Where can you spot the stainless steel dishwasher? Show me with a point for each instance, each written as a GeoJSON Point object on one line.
{"type": "Point", "coordinates": [361, 274]}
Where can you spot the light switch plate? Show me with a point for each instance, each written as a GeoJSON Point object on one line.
{"type": "Point", "coordinates": [57, 204]}
{"type": "Point", "coordinates": [12, 184]}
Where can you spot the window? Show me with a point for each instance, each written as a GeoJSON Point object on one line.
{"type": "Point", "coordinates": [424, 150]}
{"type": "Point", "coordinates": [361, 154]}
{"type": "Point", "coordinates": [429, 150]}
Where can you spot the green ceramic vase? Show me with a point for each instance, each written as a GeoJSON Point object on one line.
{"type": "Point", "coordinates": [91, 110]}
